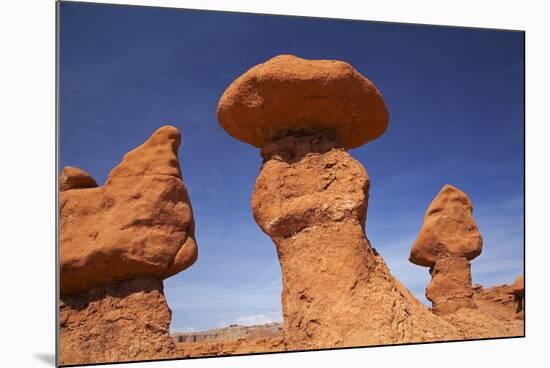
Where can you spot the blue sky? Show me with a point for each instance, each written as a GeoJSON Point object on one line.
{"type": "Point", "coordinates": [455, 98]}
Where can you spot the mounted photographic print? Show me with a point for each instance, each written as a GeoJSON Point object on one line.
{"type": "Point", "coordinates": [234, 183]}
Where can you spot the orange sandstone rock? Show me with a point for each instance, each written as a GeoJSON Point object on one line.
{"type": "Point", "coordinates": [518, 289]}
{"type": "Point", "coordinates": [448, 240]}
{"type": "Point", "coordinates": [117, 243]}
{"type": "Point", "coordinates": [225, 348]}
{"type": "Point", "coordinates": [75, 178]}
{"type": "Point", "coordinates": [495, 315]}
{"type": "Point", "coordinates": [290, 94]}
{"type": "Point", "coordinates": [139, 223]}
{"type": "Point", "coordinates": [519, 286]}
{"type": "Point", "coordinates": [449, 228]}
{"type": "Point", "coordinates": [498, 301]}
{"type": "Point", "coordinates": [124, 321]}
{"type": "Point", "coordinates": [311, 198]}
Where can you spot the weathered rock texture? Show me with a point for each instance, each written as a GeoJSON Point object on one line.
{"type": "Point", "coordinates": [244, 345]}
{"type": "Point", "coordinates": [124, 321]}
{"type": "Point", "coordinates": [117, 243]}
{"type": "Point", "coordinates": [288, 93]}
{"type": "Point", "coordinates": [311, 199]}
{"type": "Point", "coordinates": [480, 324]}
{"type": "Point", "coordinates": [74, 178]}
{"type": "Point", "coordinates": [495, 316]}
{"type": "Point", "coordinates": [497, 301]}
{"type": "Point", "coordinates": [140, 222]}
{"type": "Point", "coordinates": [518, 290]}
{"type": "Point", "coordinates": [448, 240]}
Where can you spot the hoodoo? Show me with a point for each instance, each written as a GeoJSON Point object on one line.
{"type": "Point", "coordinates": [448, 240]}
{"type": "Point", "coordinates": [117, 243]}
{"type": "Point", "coordinates": [311, 198]}
{"type": "Point", "coordinates": [518, 289]}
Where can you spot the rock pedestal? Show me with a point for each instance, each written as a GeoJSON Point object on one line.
{"type": "Point", "coordinates": [124, 321]}
{"type": "Point", "coordinates": [311, 198]}
{"type": "Point", "coordinates": [117, 243]}
{"type": "Point", "coordinates": [451, 286]}
{"type": "Point", "coordinates": [518, 290]}
{"type": "Point", "coordinates": [448, 240]}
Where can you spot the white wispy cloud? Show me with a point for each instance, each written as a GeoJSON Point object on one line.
{"type": "Point", "coordinates": [254, 319]}
{"type": "Point", "coordinates": [183, 329]}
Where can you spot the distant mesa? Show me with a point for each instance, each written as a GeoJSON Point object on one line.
{"type": "Point", "coordinates": [448, 240]}
{"type": "Point", "coordinates": [232, 333]}
{"type": "Point", "coordinates": [288, 94]}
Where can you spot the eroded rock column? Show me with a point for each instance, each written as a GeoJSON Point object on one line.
{"type": "Point", "coordinates": [448, 240]}
{"type": "Point", "coordinates": [119, 321]}
{"type": "Point", "coordinates": [117, 243]}
{"type": "Point", "coordinates": [518, 289]}
{"type": "Point", "coordinates": [311, 198]}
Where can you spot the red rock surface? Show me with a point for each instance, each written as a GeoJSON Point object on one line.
{"type": "Point", "coordinates": [493, 318]}
{"type": "Point", "coordinates": [287, 93]}
{"type": "Point", "coordinates": [337, 291]}
{"type": "Point", "coordinates": [494, 315]}
{"type": "Point", "coordinates": [311, 199]}
{"type": "Point", "coordinates": [448, 240]}
{"type": "Point", "coordinates": [479, 324]}
{"type": "Point", "coordinates": [118, 242]}
{"type": "Point", "coordinates": [449, 228]}
{"type": "Point", "coordinates": [140, 222]}
{"type": "Point", "coordinates": [518, 289]}
{"type": "Point", "coordinates": [451, 286]}
{"type": "Point", "coordinates": [75, 178]}
{"type": "Point", "coordinates": [497, 301]}
{"type": "Point", "coordinates": [123, 321]}
{"type": "Point", "coordinates": [224, 348]}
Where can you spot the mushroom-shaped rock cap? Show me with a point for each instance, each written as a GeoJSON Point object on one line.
{"type": "Point", "coordinates": [449, 229]}
{"type": "Point", "coordinates": [518, 287]}
{"type": "Point", "coordinates": [290, 94]}
{"type": "Point", "coordinates": [75, 178]}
